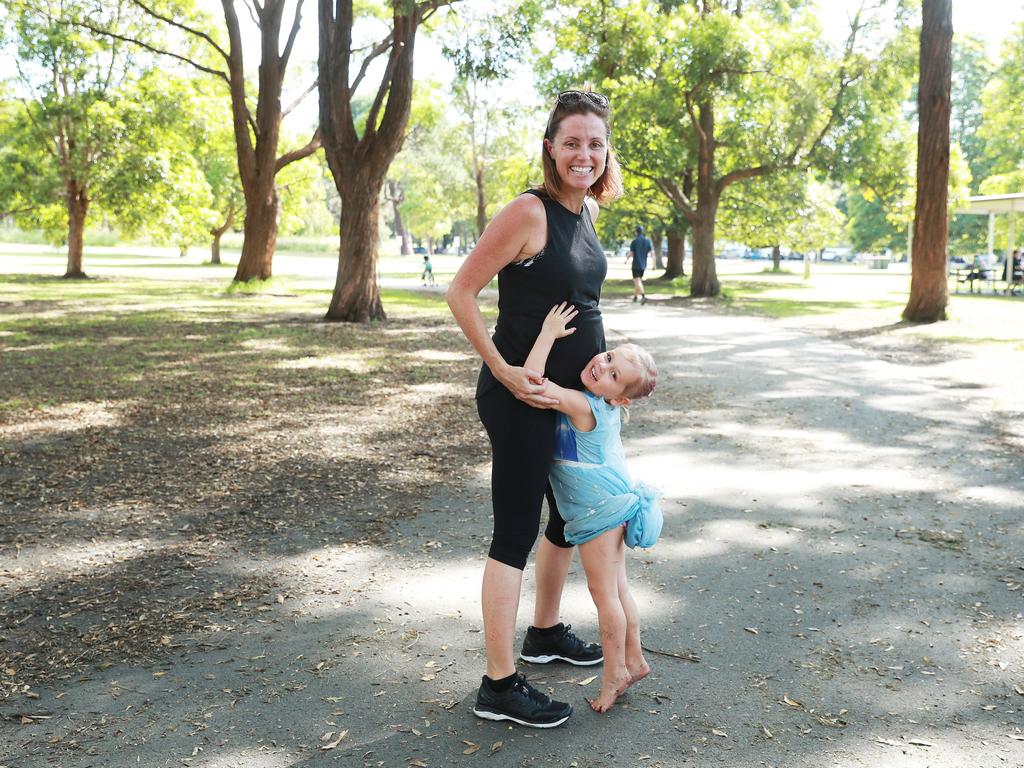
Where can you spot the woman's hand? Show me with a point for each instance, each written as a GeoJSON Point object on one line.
{"type": "Point", "coordinates": [556, 320]}
{"type": "Point", "coordinates": [526, 384]}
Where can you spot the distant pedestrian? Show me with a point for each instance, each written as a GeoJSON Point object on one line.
{"type": "Point", "coordinates": [639, 250]}
{"type": "Point", "coordinates": [428, 271]}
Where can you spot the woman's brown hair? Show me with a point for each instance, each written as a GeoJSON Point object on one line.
{"type": "Point", "coordinates": [608, 187]}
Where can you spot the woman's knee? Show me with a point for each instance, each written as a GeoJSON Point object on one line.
{"type": "Point", "coordinates": [512, 547]}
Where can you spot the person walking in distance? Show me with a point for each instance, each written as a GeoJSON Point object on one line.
{"type": "Point", "coordinates": [639, 250]}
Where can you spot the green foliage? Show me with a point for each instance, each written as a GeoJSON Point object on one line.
{"type": "Point", "coordinates": [971, 71]}
{"type": "Point", "coordinates": [1002, 108]}
{"type": "Point", "coordinates": [783, 99]}
{"type": "Point", "coordinates": [95, 114]}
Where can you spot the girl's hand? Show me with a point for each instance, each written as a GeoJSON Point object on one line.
{"type": "Point", "coordinates": [527, 385]}
{"type": "Point", "coordinates": [557, 319]}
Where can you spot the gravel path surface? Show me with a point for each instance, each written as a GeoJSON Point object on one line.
{"type": "Point", "coordinates": [843, 552]}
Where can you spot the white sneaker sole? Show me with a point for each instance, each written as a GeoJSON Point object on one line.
{"type": "Point", "coordinates": [487, 715]}
{"type": "Point", "coordinates": [549, 659]}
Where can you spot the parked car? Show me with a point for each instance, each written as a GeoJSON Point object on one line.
{"type": "Point", "coordinates": [837, 254]}
{"type": "Point", "coordinates": [734, 252]}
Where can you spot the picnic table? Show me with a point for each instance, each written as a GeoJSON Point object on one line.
{"type": "Point", "coordinates": [974, 273]}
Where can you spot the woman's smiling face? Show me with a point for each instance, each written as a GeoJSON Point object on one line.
{"type": "Point", "coordinates": [580, 150]}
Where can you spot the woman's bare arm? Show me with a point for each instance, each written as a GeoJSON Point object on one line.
{"type": "Point", "coordinates": [509, 237]}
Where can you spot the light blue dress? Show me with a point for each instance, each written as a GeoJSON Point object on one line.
{"type": "Point", "coordinates": [592, 485]}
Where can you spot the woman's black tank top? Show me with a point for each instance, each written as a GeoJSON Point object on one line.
{"type": "Point", "coordinates": [571, 267]}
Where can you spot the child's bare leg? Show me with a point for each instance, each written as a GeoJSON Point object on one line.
{"type": "Point", "coordinates": [636, 664]}
{"type": "Point", "coordinates": [602, 557]}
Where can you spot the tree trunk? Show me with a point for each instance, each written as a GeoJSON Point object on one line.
{"type": "Point", "coordinates": [359, 163]}
{"type": "Point", "coordinates": [481, 202]}
{"type": "Point", "coordinates": [218, 233]}
{"type": "Point", "coordinates": [656, 238]}
{"type": "Point", "coordinates": [356, 296]}
{"type": "Point", "coordinates": [929, 290]}
{"type": "Point", "coordinates": [430, 245]}
{"type": "Point", "coordinates": [776, 258]}
{"type": "Point", "coordinates": [704, 279]}
{"type": "Point", "coordinates": [261, 216]}
{"type": "Point", "coordinates": [675, 256]}
{"type": "Point", "coordinates": [78, 206]}
{"type": "Point", "coordinates": [396, 195]}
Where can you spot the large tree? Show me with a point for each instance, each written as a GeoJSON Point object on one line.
{"type": "Point", "coordinates": [94, 127]}
{"type": "Point", "coordinates": [720, 91]}
{"type": "Point", "coordinates": [257, 133]}
{"type": "Point", "coordinates": [359, 154]}
{"type": "Point", "coordinates": [929, 289]}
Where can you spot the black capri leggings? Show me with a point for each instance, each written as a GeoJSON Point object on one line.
{"type": "Point", "coordinates": [522, 448]}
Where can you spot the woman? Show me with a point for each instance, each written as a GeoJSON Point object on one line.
{"type": "Point", "coordinates": [544, 250]}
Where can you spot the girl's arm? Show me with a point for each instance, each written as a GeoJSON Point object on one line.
{"type": "Point", "coordinates": [552, 330]}
{"type": "Point", "coordinates": [508, 237]}
{"type": "Point", "coordinates": [573, 404]}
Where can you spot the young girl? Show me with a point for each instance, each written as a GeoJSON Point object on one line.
{"type": "Point", "coordinates": [603, 509]}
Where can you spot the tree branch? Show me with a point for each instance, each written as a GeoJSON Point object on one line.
{"type": "Point", "coordinates": [688, 95]}
{"type": "Point", "coordinates": [152, 49]}
{"type": "Point", "coordinates": [378, 49]}
{"type": "Point", "coordinates": [290, 157]}
{"type": "Point", "coordinates": [183, 27]}
{"type": "Point", "coordinates": [744, 173]}
{"type": "Point", "coordinates": [302, 96]}
{"type": "Point", "coordinates": [291, 37]}
{"type": "Point", "coordinates": [679, 199]}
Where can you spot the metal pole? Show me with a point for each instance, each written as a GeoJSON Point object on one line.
{"type": "Point", "coordinates": [991, 233]}
{"type": "Point", "coordinates": [1011, 245]}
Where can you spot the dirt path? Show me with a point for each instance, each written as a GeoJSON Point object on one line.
{"type": "Point", "coordinates": [842, 551]}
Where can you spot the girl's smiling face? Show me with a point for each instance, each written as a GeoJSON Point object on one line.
{"type": "Point", "coordinates": [580, 150]}
{"type": "Point", "coordinates": [609, 374]}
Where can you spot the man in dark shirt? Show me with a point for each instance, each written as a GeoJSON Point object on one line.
{"type": "Point", "coordinates": [639, 249]}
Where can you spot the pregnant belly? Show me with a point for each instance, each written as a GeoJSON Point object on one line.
{"type": "Point", "coordinates": [569, 355]}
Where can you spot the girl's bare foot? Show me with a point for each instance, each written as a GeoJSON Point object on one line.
{"type": "Point", "coordinates": [638, 670]}
{"type": "Point", "coordinates": [611, 689]}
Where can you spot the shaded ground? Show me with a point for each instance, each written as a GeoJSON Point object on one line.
{"type": "Point", "coordinates": [235, 536]}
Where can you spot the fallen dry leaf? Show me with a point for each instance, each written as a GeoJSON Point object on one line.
{"type": "Point", "coordinates": [717, 732]}
{"type": "Point", "coordinates": [767, 733]}
{"type": "Point", "coordinates": [587, 681]}
{"type": "Point", "coordinates": [495, 747]}
{"type": "Point", "coordinates": [331, 745]}
{"type": "Point", "coordinates": [751, 630]}
{"type": "Point", "coordinates": [920, 743]}
{"type": "Point", "coordinates": [789, 702]}
{"type": "Point", "coordinates": [471, 748]}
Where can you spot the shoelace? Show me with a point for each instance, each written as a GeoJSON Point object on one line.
{"type": "Point", "coordinates": [571, 636]}
{"type": "Point", "coordinates": [531, 693]}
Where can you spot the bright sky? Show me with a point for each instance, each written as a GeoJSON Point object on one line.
{"type": "Point", "coordinates": [988, 19]}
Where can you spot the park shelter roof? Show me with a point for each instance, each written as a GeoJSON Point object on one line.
{"type": "Point", "coordinates": [983, 205]}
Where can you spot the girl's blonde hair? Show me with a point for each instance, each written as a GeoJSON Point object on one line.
{"type": "Point", "coordinates": [648, 379]}
{"type": "Point", "coordinates": [609, 186]}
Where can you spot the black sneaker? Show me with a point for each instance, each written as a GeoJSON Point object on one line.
{"type": "Point", "coordinates": [541, 648]}
{"type": "Point", "coordinates": [522, 703]}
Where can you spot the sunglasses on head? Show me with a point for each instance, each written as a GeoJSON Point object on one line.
{"type": "Point", "coordinates": [574, 97]}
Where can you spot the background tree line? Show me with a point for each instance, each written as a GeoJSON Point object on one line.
{"type": "Point", "coordinates": [734, 121]}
